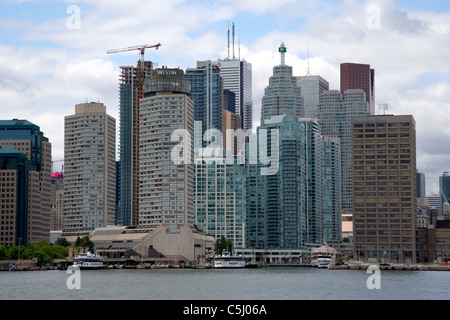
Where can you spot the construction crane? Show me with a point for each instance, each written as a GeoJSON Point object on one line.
{"type": "Point", "coordinates": [141, 49]}
{"type": "Point", "coordinates": [139, 94]}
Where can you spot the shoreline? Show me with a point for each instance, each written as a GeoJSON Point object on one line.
{"type": "Point", "coordinates": [355, 266]}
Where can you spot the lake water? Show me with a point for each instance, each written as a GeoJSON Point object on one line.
{"type": "Point", "coordinates": [270, 283]}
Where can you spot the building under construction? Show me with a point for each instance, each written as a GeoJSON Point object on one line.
{"type": "Point", "coordinates": [130, 91]}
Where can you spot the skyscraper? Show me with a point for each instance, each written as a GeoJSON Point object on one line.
{"type": "Point", "coordinates": [311, 88]}
{"type": "Point", "coordinates": [335, 115]}
{"type": "Point", "coordinates": [207, 95]}
{"type": "Point", "coordinates": [284, 209]}
{"type": "Point", "coordinates": [282, 95]}
{"type": "Point", "coordinates": [130, 86]}
{"type": "Point", "coordinates": [444, 194]}
{"type": "Point", "coordinates": [25, 171]}
{"type": "Point", "coordinates": [166, 174]}
{"type": "Point", "coordinates": [384, 184]}
{"type": "Point", "coordinates": [421, 185]}
{"type": "Point", "coordinates": [331, 190]}
{"type": "Point", "coordinates": [220, 205]}
{"type": "Point", "coordinates": [359, 76]}
{"type": "Point", "coordinates": [237, 77]}
{"type": "Point", "coordinates": [89, 168]}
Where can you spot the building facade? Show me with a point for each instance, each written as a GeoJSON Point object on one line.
{"type": "Point", "coordinates": [335, 114]}
{"type": "Point", "coordinates": [282, 95]}
{"type": "Point", "coordinates": [237, 77]}
{"type": "Point", "coordinates": [220, 203]}
{"type": "Point", "coordinates": [89, 168]}
{"type": "Point", "coordinates": [384, 188]}
{"type": "Point", "coordinates": [166, 174]}
{"type": "Point", "coordinates": [130, 87]}
{"type": "Point", "coordinates": [312, 87]}
{"type": "Point", "coordinates": [26, 202]}
{"type": "Point", "coordinates": [444, 194]}
{"type": "Point", "coordinates": [207, 95]}
{"type": "Point", "coordinates": [359, 76]}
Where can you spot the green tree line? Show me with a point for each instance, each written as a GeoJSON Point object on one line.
{"type": "Point", "coordinates": [42, 251]}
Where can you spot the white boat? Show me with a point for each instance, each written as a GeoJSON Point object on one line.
{"type": "Point", "coordinates": [322, 256]}
{"type": "Point", "coordinates": [228, 260]}
{"type": "Point", "coordinates": [87, 261]}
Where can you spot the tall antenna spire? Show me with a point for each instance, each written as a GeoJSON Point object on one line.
{"type": "Point", "coordinates": [308, 73]}
{"type": "Point", "coordinates": [282, 50]}
{"type": "Point", "coordinates": [228, 36]}
{"type": "Point", "coordinates": [233, 40]}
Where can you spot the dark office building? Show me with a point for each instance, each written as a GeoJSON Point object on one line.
{"type": "Point", "coordinates": [359, 76]}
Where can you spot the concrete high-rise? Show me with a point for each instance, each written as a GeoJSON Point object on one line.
{"type": "Point", "coordinates": [359, 76]}
{"type": "Point", "coordinates": [25, 171]}
{"type": "Point", "coordinates": [282, 95]}
{"type": "Point", "coordinates": [237, 77]}
{"type": "Point", "coordinates": [166, 174]}
{"type": "Point", "coordinates": [89, 168]}
{"type": "Point", "coordinates": [312, 87]}
{"type": "Point", "coordinates": [335, 115]}
{"type": "Point", "coordinates": [384, 188]}
{"type": "Point", "coordinates": [130, 87]}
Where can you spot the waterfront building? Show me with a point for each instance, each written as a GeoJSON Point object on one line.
{"type": "Point", "coordinates": [166, 176]}
{"type": "Point", "coordinates": [25, 170]}
{"type": "Point", "coordinates": [335, 114]}
{"type": "Point", "coordinates": [282, 95]}
{"type": "Point", "coordinates": [237, 77]}
{"type": "Point", "coordinates": [359, 76]}
{"type": "Point", "coordinates": [444, 194]}
{"type": "Point", "coordinates": [311, 88]}
{"type": "Point", "coordinates": [89, 168]}
{"type": "Point", "coordinates": [130, 87]}
{"type": "Point", "coordinates": [220, 202]}
{"type": "Point", "coordinates": [331, 190]}
{"type": "Point", "coordinates": [284, 207]}
{"type": "Point", "coordinates": [384, 188]}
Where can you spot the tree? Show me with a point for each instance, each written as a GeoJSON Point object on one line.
{"type": "Point", "coordinates": [223, 245]}
{"type": "Point", "coordinates": [85, 242]}
{"type": "Point", "coordinates": [62, 242]}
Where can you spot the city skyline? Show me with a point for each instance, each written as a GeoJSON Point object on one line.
{"type": "Point", "coordinates": [54, 54]}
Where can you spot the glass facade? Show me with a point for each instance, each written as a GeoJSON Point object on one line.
{"type": "Point", "coordinates": [335, 114]}
{"type": "Point", "coordinates": [282, 95]}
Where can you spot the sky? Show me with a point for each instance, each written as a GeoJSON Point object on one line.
{"type": "Point", "coordinates": [53, 54]}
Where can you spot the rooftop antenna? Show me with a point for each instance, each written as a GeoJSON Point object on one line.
{"type": "Point", "coordinates": [233, 39]}
{"type": "Point", "coordinates": [239, 46]}
{"type": "Point", "coordinates": [383, 106]}
{"type": "Point", "coordinates": [308, 73]}
{"type": "Point", "coordinates": [228, 36]}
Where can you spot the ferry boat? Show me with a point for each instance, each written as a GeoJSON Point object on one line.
{"type": "Point", "coordinates": [88, 261]}
{"type": "Point", "coordinates": [322, 256]}
{"type": "Point", "coordinates": [228, 260]}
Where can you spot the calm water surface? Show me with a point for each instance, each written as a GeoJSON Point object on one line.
{"type": "Point", "coordinates": [233, 284]}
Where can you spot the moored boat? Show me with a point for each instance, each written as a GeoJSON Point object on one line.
{"type": "Point", "coordinates": [322, 256]}
{"type": "Point", "coordinates": [88, 261]}
{"type": "Point", "coordinates": [228, 260]}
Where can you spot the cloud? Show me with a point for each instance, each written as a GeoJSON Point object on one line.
{"type": "Point", "coordinates": [60, 67]}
